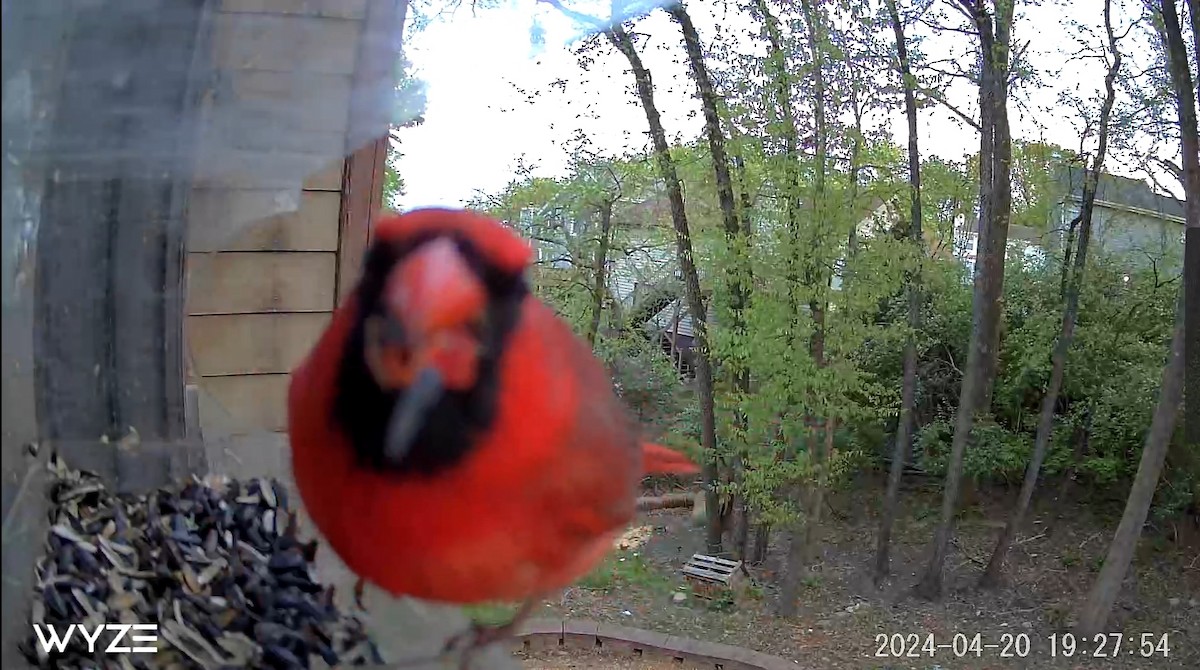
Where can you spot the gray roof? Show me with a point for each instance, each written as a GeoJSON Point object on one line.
{"type": "Point", "coordinates": [662, 320]}
{"type": "Point", "coordinates": [1120, 191]}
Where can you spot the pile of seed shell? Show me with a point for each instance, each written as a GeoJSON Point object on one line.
{"type": "Point", "coordinates": [215, 563]}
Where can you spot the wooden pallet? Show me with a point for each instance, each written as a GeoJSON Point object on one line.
{"type": "Point", "coordinates": [710, 576]}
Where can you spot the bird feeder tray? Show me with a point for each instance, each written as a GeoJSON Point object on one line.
{"type": "Point", "coordinates": [711, 577]}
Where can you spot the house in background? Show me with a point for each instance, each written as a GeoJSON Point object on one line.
{"type": "Point", "coordinates": [676, 333]}
{"type": "Point", "coordinates": [640, 266]}
{"type": "Point", "coordinates": [1130, 219]}
{"type": "Point", "coordinates": [644, 279]}
{"type": "Point", "coordinates": [645, 285]}
{"type": "Point", "coordinates": [546, 231]}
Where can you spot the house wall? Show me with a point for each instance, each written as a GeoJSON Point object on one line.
{"type": "Point", "coordinates": [258, 300]}
{"type": "Point", "coordinates": [1143, 235]}
{"type": "Point", "coordinates": [267, 263]}
{"type": "Point", "coordinates": [1140, 235]}
{"type": "Point", "coordinates": [630, 273]}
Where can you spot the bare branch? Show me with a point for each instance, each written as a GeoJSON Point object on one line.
{"type": "Point", "coordinates": [1128, 29]}
{"type": "Point", "coordinates": [926, 22]}
{"type": "Point", "coordinates": [947, 73]}
{"type": "Point", "coordinates": [1019, 54]}
{"type": "Point", "coordinates": [1169, 166]}
{"type": "Point", "coordinates": [965, 8]}
{"type": "Point", "coordinates": [936, 96]}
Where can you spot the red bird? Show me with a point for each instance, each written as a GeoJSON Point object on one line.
{"type": "Point", "coordinates": [452, 438]}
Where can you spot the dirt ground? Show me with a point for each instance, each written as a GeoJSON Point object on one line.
{"type": "Point", "coordinates": [843, 615]}
{"type": "Point", "coordinates": [1054, 563]}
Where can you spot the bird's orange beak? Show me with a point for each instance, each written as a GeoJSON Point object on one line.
{"type": "Point", "coordinates": [434, 289]}
{"type": "Point", "coordinates": [440, 303]}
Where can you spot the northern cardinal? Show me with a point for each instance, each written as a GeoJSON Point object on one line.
{"type": "Point", "coordinates": [451, 437]}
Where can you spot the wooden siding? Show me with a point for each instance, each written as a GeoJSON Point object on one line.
{"type": "Point", "coordinates": [232, 220]}
{"type": "Point", "coordinates": [243, 404]}
{"type": "Point", "coordinates": [268, 264]}
{"type": "Point", "coordinates": [258, 297]}
{"type": "Point", "coordinates": [245, 344]}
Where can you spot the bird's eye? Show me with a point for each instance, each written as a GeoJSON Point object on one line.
{"type": "Point", "coordinates": [389, 330]}
{"type": "Point", "coordinates": [479, 325]}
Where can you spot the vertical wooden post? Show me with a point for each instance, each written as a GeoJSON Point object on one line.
{"type": "Point", "coordinates": [110, 250]}
{"type": "Point", "coordinates": [362, 200]}
{"type": "Point", "coordinates": [362, 182]}
{"type": "Point", "coordinates": [676, 354]}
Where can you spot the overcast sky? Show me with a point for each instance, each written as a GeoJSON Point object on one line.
{"type": "Point", "coordinates": [480, 69]}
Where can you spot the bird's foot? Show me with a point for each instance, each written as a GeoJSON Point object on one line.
{"type": "Point", "coordinates": [359, 587]}
{"type": "Point", "coordinates": [477, 636]}
{"type": "Point", "coordinates": [474, 639]}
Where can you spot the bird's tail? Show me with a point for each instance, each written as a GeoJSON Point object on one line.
{"type": "Point", "coordinates": [659, 460]}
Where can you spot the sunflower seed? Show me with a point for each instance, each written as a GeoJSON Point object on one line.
{"type": "Point", "coordinates": [215, 562]}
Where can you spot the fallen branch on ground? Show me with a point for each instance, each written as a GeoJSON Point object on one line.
{"type": "Point", "coordinates": [667, 501]}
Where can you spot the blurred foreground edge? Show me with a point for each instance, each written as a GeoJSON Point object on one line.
{"type": "Point", "coordinates": [114, 111]}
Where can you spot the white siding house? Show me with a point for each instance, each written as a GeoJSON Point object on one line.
{"type": "Point", "coordinates": [1129, 219]}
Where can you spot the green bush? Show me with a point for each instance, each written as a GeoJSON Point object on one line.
{"type": "Point", "coordinates": [1110, 387]}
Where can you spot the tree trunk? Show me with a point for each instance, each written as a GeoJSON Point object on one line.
{"type": "Point", "coordinates": [742, 521]}
{"type": "Point", "coordinates": [734, 234]}
{"type": "Point", "coordinates": [762, 542]}
{"type": "Point", "coordinates": [908, 391]}
{"type": "Point", "coordinates": [795, 566]}
{"type": "Point", "coordinates": [599, 285]}
{"type": "Point", "coordinates": [994, 573]}
{"type": "Point", "coordinates": [856, 148]}
{"type": "Point", "coordinates": [1068, 249]}
{"type": "Point", "coordinates": [816, 501]}
{"type": "Point", "coordinates": [1094, 614]}
{"type": "Point", "coordinates": [740, 535]}
{"type": "Point", "coordinates": [802, 548]}
{"type": "Point", "coordinates": [781, 76]}
{"type": "Point", "coordinates": [1185, 91]}
{"type": "Point", "coordinates": [995, 202]}
{"type": "Point", "coordinates": [621, 39]}
{"type": "Point", "coordinates": [799, 556]}
{"type": "Point", "coordinates": [1083, 434]}
{"type": "Point", "coordinates": [743, 196]}
{"type": "Point", "coordinates": [1194, 14]}
{"type": "Point", "coordinates": [777, 68]}
{"type": "Point", "coordinates": [675, 353]}
{"type": "Point", "coordinates": [1001, 210]}
{"type": "Point", "coordinates": [716, 146]}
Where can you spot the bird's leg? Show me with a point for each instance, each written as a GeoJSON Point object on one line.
{"type": "Point", "coordinates": [359, 587]}
{"type": "Point", "coordinates": [479, 636]}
